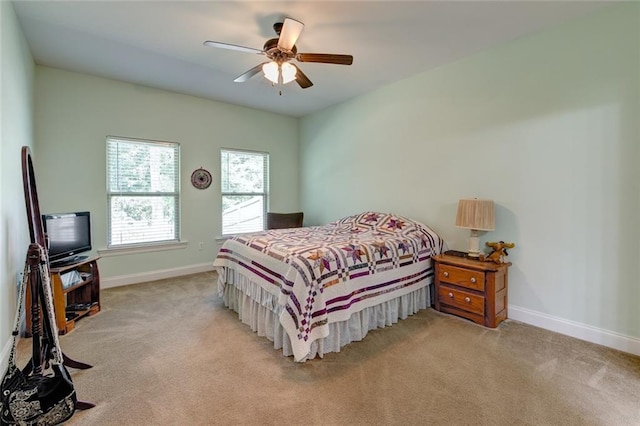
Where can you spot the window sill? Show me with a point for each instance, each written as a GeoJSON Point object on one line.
{"type": "Point", "coordinates": [222, 239]}
{"type": "Point", "coordinates": [120, 251]}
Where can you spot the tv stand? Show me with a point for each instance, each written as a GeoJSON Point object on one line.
{"type": "Point", "coordinates": [68, 261]}
{"type": "Point", "coordinates": [73, 298]}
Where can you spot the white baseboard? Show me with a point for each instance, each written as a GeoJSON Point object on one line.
{"type": "Point", "coordinates": [154, 275]}
{"type": "Point", "coordinates": [578, 330]}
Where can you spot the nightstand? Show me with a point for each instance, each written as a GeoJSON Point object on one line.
{"type": "Point", "coordinates": [472, 289]}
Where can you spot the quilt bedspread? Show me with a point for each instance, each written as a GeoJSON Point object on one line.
{"type": "Point", "coordinates": [324, 274]}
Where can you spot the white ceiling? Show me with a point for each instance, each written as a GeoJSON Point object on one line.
{"type": "Point", "coordinates": [159, 43]}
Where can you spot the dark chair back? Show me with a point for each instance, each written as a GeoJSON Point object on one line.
{"type": "Point", "coordinates": [284, 220]}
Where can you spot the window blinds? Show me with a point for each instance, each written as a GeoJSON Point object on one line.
{"type": "Point", "coordinates": [244, 179]}
{"type": "Point", "coordinates": [143, 191]}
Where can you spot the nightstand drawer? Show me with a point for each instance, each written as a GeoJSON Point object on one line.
{"type": "Point", "coordinates": [461, 299]}
{"type": "Point", "coordinates": [462, 277]}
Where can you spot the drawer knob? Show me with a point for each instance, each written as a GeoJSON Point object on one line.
{"type": "Point", "coordinates": [445, 273]}
{"type": "Point", "coordinates": [467, 299]}
{"type": "Point", "coordinates": [473, 279]}
{"type": "Point", "coordinates": [451, 295]}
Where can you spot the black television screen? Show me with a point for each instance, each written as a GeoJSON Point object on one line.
{"type": "Point", "coordinates": [67, 234]}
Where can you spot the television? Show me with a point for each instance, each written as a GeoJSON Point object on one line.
{"type": "Point", "coordinates": [67, 235]}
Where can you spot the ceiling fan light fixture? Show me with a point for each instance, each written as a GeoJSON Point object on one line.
{"type": "Point", "coordinates": [288, 73]}
{"type": "Point", "coordinates": [279, 67]}
{"type": "Point", "coordinates": [271, 71]}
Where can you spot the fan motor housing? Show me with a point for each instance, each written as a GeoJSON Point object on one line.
{"type": "Point", "coordinates": [273, 51]}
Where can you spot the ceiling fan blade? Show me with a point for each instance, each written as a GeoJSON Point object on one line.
{"type": "Point", "coordinates": [302, 79]}
{"type": "Point", "coordinates": [325, 58]}
{"type": "Point", "coordinates": [291, 30]}
{"type": "Point", "coordinates": [232, 47]}
{"type": "Point", "coordinates": [247, 75]}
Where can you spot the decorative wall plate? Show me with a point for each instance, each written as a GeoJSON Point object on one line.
{"type": "Point", "coordinates": [201, 178]}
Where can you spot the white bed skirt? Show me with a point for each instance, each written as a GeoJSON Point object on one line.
{"type": "Point", "coordinates": [259, 309]}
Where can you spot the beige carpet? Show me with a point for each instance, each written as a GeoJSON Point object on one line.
{"type": "Point", "coordinates": [170, 353]}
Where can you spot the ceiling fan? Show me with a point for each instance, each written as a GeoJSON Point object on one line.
{"type": "Point", "coordinates": [281, 51]}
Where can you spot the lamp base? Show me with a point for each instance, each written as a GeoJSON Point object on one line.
{"type": "Point", "coordinates": [474, 244]}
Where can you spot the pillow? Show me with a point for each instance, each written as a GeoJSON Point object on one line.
{"type": "Point", "coordinates": [370, 219]}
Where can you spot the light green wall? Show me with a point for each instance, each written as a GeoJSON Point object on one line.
{"type": "Point", "coordinates": [16, 118]}
{"type": "Point", "coordinates": [74, 114]}
{"type": "Point", "coordinates": [547, 126]}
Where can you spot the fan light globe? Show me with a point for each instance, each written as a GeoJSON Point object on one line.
{"type": "Point", "coordinates": [270, 71]}
{"type": "Point", "coordinates": [288, 73]}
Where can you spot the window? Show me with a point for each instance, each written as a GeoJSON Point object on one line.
{"type": "Point", "coordinates": [244, 177]}
{"type": "Point", "coordinates": [143, 192]}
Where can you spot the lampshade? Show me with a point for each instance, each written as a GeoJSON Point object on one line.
{"type": "Point", "coordinates": [271, 71]}
{"type": "Point", "coordinates": [288, 72]}
{"type": "Point", "coordinates": [476, 215]}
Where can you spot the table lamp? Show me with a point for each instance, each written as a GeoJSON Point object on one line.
{"type": "Point", "coordinates": [476, 215]}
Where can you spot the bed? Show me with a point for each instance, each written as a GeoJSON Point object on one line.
{"type": "Point", "coordinates": [314, 290]}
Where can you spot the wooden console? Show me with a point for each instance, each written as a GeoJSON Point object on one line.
{"type": "Point", "coordinates": [82, 289]}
